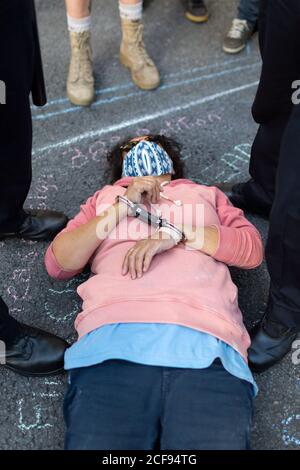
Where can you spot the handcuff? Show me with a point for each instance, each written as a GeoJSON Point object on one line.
{"type": "Point", "coordinates": [154, 220]}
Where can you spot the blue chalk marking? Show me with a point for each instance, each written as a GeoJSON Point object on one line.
{"type": "Point", "coordinates": [287, 438]}
{"type": "Point", "coordinates": [140, 93]}
{"type": "Point", "coordinates": [142, 119]}
{"type": "Point", "coordinates": [129, 85]}
{"type": "Point", "coordinates": [37, 424]}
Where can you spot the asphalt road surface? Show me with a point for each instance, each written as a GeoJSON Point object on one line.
{"type": "Point", "coordinates": [205, 101]}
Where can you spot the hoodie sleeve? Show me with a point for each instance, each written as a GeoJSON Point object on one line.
{"type": "Point", "coordinates": [87, 212]}
{"type": "Point", "coordinates": [240, 243]}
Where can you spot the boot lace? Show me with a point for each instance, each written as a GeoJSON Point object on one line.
{"type": "Point", "coordinates": [83, 58]}
{"type": "Point", "coordinates": [142, 54]}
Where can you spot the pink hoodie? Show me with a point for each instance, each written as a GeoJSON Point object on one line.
{"type": "Point", "coordinates": [183, 286]}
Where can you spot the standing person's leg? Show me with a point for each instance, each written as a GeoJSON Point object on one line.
{"type": "Point", "coordinates": [278, 33]}
{"type": "Point", "coordinates": [242, 27]}
{"type": "Point", "coordinates": [18, 50]}
{"type": "Point", "coordinates": [206, 409]}
{"type": "Point", "coordinates": [78, 9]}
{"type": "Point", "coordinates": [283, 248]}
{"type": "Point", "coordinates": [16, 71]}
{"type": "Point", "coordinates": [9, 327]}
{"type": "Point", "coordinates": [272, 105]}
{"type": "Point", "coordinates": [260, 189]}
{"type": "Point", "coordinates": [133, 54]}
{"type": "Point", "coordinates": [273, 337]}
{"type": "Point", "coordinates": [248, 10]}
{"type": "Point", "coordinates": [80, 81]}
{"type": "Point", "coordinates": [28, 350]}
{"type": "Point", "coordinates": [114, 405]}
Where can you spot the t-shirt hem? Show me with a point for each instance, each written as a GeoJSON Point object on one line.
{"type": "Point", "coordinates": [150, 361]}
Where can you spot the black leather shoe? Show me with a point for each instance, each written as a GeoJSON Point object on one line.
{"type": "Point", "coordinates": [38, 225]}
{"type": "Point", "coordinates": [236, 194]}
{"type": "Point", "coordinates": [270, 343]}
{"type": "Point", "coordinates": [35, 352]}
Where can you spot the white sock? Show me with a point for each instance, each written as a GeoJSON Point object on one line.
{"type": "Point", "coordinates": [78, 25]}
{"type": "Point", "coordinates": [131, 12]}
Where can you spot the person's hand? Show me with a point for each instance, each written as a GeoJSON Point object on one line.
{"type": "Point", "coordinates": [147, 187]}
{"type": "Point", "coordinates": [138, 259]}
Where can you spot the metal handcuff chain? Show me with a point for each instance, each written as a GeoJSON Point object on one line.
{"type": "Point", "coordinates": [151, 219]}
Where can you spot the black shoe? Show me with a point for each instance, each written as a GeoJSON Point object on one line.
{"type": "Point", "coordinates": [38, 225]}
{"type": "Point", "coordinates": [196, 11]}
{"type": "Point", "coordinates": [271, 341]}
{"type": "Point", "coordinates": [35, 352]}
{"type": "Point", "coordinates": [236, 194]}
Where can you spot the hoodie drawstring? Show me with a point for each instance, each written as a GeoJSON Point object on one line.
{"type": "Point", "coordinates": [176, 202]}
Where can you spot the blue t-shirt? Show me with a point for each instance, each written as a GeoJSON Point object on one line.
{"type": "Point", "coordinates": [156, 344]}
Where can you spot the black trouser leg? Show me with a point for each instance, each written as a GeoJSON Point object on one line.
{"type": "Point", "coordinates": [283, 245]}
{"type": "Point", "coordinates": [279, 46]}
{"type": "Point", "coordinates": [16, 69]}
{"type": "Point", "coordinates": [275, 162]}
{"type": "Point", "coordinates": [9, 327]}
{"type": "Point", "coordinates": [260, 190]}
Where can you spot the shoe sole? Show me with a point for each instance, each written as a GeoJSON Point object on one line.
{"type": "Point", "coordinates": [80, 102]}
{"type": "Point", "coordinates": [126, 64]}
{"type": "Point", "coordinates": [38, 374]}
{"type": "Point", "coordinates": [228, 50]}
{"type": "Point", "coordinates": [196, 19]}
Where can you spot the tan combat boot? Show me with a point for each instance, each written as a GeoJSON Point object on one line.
{"type": "Point", "coordinates": [80, 83]}
{"type": "Point", "coordinates": [134, 56]}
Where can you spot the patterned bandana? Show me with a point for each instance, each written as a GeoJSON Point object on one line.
{"type": "Point", "coordinates": [146, 159]}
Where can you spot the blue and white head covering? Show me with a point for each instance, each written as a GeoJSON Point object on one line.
{"type": "Point", "coordinates": [147, 158]}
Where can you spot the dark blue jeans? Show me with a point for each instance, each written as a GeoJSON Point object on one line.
{"type": "Point", "coordinates": [248, 10]}
{"type": "Point", "coordinates": [121, 405]}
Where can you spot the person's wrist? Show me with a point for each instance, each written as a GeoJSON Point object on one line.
{"type": "Point", "coordinates": [167, 233]}
{"type": "Point", "coordinates": [164, 238]}
{"type": "Point", "coordinates": [190, 234]}
{"type": "Point", "coordinates": [176, 233]}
